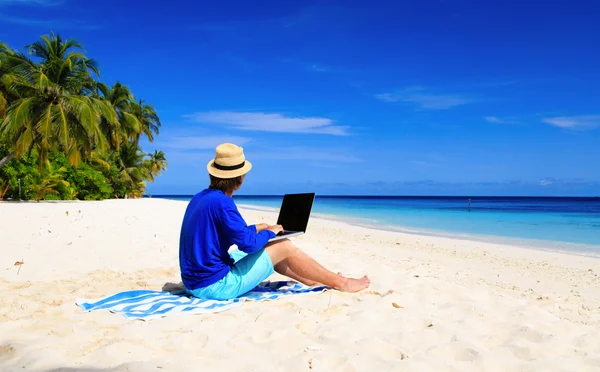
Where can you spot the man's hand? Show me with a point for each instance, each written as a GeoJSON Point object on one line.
{"type": "Point", "coordinates": [261, 226]}
{"type": "Point", "coordinates": [276, 229]}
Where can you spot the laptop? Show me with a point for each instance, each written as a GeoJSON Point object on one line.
{"type": "Point", "coordinates": [294, 215]}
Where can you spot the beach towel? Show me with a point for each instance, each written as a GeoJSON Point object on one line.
{"type": "Point", "coordinates": [147, 304]}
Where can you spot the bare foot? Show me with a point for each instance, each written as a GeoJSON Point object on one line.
{"type": "Point", "coordinates": [352, 285]}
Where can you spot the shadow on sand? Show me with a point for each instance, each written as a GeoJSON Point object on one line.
{"type": "Point", "coordinates": [173, 287]}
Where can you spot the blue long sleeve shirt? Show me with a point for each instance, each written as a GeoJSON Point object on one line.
{"type": "Point", "coordinates": [211, 225]}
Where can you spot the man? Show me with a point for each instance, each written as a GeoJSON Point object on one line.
{"type": "Point", "coordinates": [212, 224]}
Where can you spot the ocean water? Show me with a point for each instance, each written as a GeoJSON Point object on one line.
{"type": "Point", "coordinates": [555, 223]}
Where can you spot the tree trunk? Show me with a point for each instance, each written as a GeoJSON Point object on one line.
{"type": "Point", "coordinates": [3, 193]}
{"type": "Point", "coordinates": [6, 159]}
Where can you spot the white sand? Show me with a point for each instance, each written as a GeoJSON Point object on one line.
{"type": "Point", "coordinates": [466, 305]}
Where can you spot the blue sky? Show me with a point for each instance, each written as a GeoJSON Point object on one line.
{"type": "Point", "coordinates": [354, 97]}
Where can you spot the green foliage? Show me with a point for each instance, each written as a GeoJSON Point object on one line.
{"type": "Point", "coordinates": [60, 180]}
{"type": "Point", "coordinates": [84, 182]}
{"type": "Point", "coordinates": [47, 182]}
{"type": "Point", "coordinates": [71, 136]}
{"type": "Point", "coordinates": [24, 169]}
{"type": "Point", "coordinates": [88, 184]}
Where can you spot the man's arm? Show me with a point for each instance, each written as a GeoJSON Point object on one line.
{"type": "Point", "coordinates": [261, 226]}
{"type": "Point", "coordinates": [247, 238]}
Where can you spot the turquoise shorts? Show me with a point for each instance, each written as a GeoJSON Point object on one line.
{"type": "Point", "coordinates": [247, 272]}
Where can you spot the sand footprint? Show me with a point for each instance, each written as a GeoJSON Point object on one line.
{"type": "Point", "coordinates": [178, 340]}
{"type": "Point", "coordinates": [384, 350]}
{"type": "Point", "coordinates": [308, 327]}
{"type": "Point", "coordinates": [330, 363]}
{"type": "Point", "coordinates": [265, 336]}
{"type": "Point", "coordinates": [262, 336]}
{"type": "Point", "coordinates": [7, 351]}
{"type": "Point", "coordinates": [533, 335]}
{"type": "Point", "coordinates": [587, 341]}
{"type": "Point", "coordinates": [521, 352]}
{"type": "Point", "coordinates": [337, 335]}
{"type": "Point", "coordinates": [594, 362]}
{"type": "Point", "coordinates": [455, 351]}
{"type": "Point", "coordinates": [497, 339]}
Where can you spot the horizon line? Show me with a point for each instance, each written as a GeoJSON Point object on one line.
{"type": "Point", "coordinates": [388, 196]}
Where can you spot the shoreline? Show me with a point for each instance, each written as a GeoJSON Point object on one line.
{"type": "Point", "coordinates": [464, 305]}
{"type": "Point", "coordinates": [550, 246]}
{"type": "Point", "coordinates": [525, 243]}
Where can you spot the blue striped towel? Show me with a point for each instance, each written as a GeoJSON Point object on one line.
{"type": "Point", "coordinates": [147, 305]}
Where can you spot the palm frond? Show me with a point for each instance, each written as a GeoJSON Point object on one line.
{"type": "Point", "coordinates": [4, 48]}
{"type": "Point", "coordinates": [18, 116]}
{"type": "Point", "coordinates": [96, 158]}
{"type": "Point", "coordinates": [74, 155]}
{"type": "Point", "coordinates": [43, 82]}
{"type": "Point", "coordinates": [44, 127]}
{"type": "Point", "coordinates": [81, 109]}
{"type": "Point", "coordinates": [24, 141]}
{"type": "Point", "coordinates": [103, 89]}
{"type": "Point", "coordinates": [62, 124]}
{"type": "Point", "coordinates": [130, 124]}
{"type": "Point", "coordinates": [3, 105]}
{"type": "Point", "coordinates": [105, 110]}
{"type": "Point", "coordinates": [40, 48]}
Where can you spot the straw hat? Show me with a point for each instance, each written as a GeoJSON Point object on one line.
{"type": "Point", "coordinates": [229, 162]}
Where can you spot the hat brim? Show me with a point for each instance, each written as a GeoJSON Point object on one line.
{"type": "Point", "coordinates": [228, 173]}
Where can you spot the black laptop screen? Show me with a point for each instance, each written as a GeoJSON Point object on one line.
{"type": "Point", "coordinates": [295, 211]}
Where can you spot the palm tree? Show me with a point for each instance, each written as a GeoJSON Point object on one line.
{"type": "Point", "coordinates": [148, 118]}
{"type": "Point", "coordinates": [132, 169]}
{"type": "Point", "coordinates": [64, 62]}
{"type": "Point", "coordinates": [120, 97]}
{"type": "Point", "coordinates": [156, 164]}
{"type": "Point", "coordinates": [56, 108]}
{"type": "Point", "coordinates": [4, 53]}
{"type": "Point", "coordinates": [52, 101]}
{"type": "Point", "coordinates": [3, 188]}
{"type": "Point", "coordinates": [7, 73]}
{"type": "Point", "coordinates": [135, 118]}
{"type": "Point", "coordinates": [3, 106]}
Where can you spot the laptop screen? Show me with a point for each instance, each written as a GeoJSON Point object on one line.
{"type": "Point", "coordinates": [295, 211]}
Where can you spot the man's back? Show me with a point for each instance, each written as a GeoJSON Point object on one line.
{"type": "Point", "coordinates": [202, 258]}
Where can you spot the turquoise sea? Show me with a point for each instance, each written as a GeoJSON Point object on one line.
{"type": "Point", "coordinates": [571, 224]}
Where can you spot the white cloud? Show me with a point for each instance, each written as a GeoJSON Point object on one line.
{"type": "Point", "coordinates": [318, 68]}
{"type": "Point", "coordinates": [31, 2]}
{"type": "Point", "coordinates": [71, 24]}
{"type": "Point", "coordinates": [574, 122]}
{"type": "Point", "coordinates": [308, 154]}
{"type": "Point", "coordinates": [270, 122]}
{"type": "Point", "coordinates": [545, 182]}
{"type": "Point", "coordinates": [424, 100]}
{"type": "Point", "coordinates": [423, 163]}
{"type": "Point", "coordinates": [493, 119]}
{"type": "Point", "coordinates": [499, 120]}
{"type": "Point", "coordinates": [202, 142]}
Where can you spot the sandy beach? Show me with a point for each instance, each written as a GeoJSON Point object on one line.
{"type": "Point", "coordinates": [465, 305]}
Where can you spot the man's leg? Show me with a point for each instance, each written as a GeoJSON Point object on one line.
{"type": "Point", "coordinates": [290, 261]}
{"type": "Point", "coordinates": [283, 269]}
